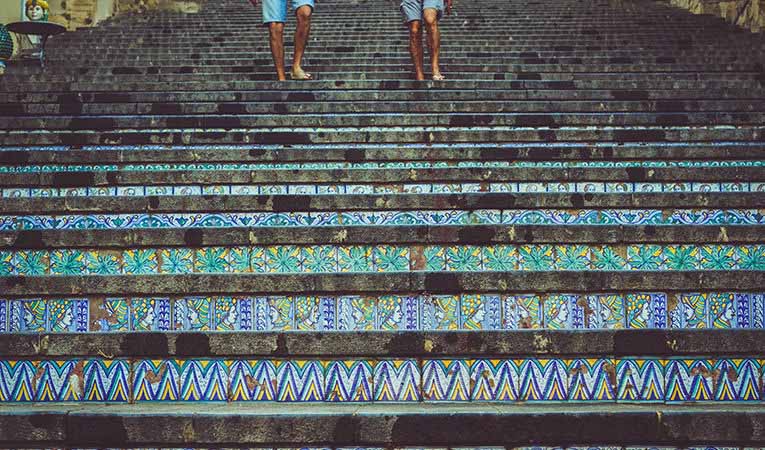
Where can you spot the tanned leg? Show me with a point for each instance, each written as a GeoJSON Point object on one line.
{"type": "Point", "coordinates": [302, 31]}
{"type": "Point", "coordinates": [415, 48]}
{"type": "Point", "coordinates": [434, 40]}
{"type": "Point", "coordinates": [276, 34]}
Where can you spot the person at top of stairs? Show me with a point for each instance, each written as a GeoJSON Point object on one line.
{"type": "Point", "coordinates": [274, 16]}
{"type": "Point", "coordinates": [415, 13]}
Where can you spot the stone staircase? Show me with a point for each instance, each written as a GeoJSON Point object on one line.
{"type": "Point", "coordinates": [562, 245]}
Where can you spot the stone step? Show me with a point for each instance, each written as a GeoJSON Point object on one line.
{"type": "Point", "coordinates": [231, 133]}
{"type": "Point", "coordinates": [622, 155]}
{"type": "Point", "coordinates": [560, 179]}
{"type": "Point", "coordinates": [380, 425]}
{"type": "Point", "coordinates": [287, 203]}
{"type": "Point", "coordinates": [372, 118]}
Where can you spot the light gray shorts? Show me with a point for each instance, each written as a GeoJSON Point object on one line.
{"type": "Point", "coordinates": [412, 9]}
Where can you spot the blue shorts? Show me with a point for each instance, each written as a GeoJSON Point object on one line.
{"type": "Point", "coordinates": [276, 10]}
{"type": "Point", "coordinates": [412, 9]}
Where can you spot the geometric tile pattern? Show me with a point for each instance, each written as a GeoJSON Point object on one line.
{"type": "Point", "coordinates": [371, 189]}
{"type": "Point", "coordinates": [574, 217]}
{"type": "Point", "coordinates": [610, 380]}
{"type": "Point", "coordinates": [383, 258]}
{"type": "Point", "coordinates": [387, 312]}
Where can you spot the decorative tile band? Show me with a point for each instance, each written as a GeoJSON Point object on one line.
{"type": "Point", "coordinates": [383, 258]}
{"type": "Point", "coordinates": [373, 189]}
{"type": "Point", "coordinates": [580, 447]}
{"type": "Point", "coordinates": [386, 313]}
{"type": "Point", "coordinates": [605, 380]}
{"type": "Point", "coordinates": [389, 218]}
{"type": "Point", "coordinates": [50, 168]}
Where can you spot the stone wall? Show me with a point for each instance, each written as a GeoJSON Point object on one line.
{"type": "Point", "coordinates": [748, 14]}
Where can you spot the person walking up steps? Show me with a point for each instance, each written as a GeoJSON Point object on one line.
{"type": "Point", "coordinates": [274, 16]}
{"type": "Point", "coordinates": [417, 12]}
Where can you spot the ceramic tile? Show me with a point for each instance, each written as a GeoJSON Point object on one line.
{"type": "Point", "coordinates": [349, 381]}
{"type": "Point", "coordinates": [67, 262]}
{"type": "Point", "coordinates": [521, 312]}
{"type": "Point", "coordinates": [499, 258]}
{"type": "Point", "coordinates": [68, 316]}
{"type": "Point", "coordinates": [463, 258]}
{"type": "Point", "coordinates": [299, 381]}
{"type": "Point", "coordinates": [440, 312]}
{"type": "Point", "coordinates": [252, 380]}
{"type": "Point", "coordinates": [757, 302]}
{"type": "Point", "coordinates": [259, 260]}
{"type": "Point", "coordinates": [356, 313]}
{"type": "Point", "coordinates": [58, 381]}
{"type": "Point", "coordinates": [445, 380]}
{"type": "Point", "coordinates": [610, 258]}
{"type": "Point", "coordinates": [645, 257]}
{"type": "Point", "coordinates": [690, 380]}
{"type": "Point", "coordinates": [150, 314]}
{"type": "Point", "coordinates": [238, 260]}
{"type": "Point", "coordinates": [211, 260]}
{"type": "Point", "coordinates": [397, 381]}
{"type": "Point", "coordinates": [140, 262]}
{"type": "Point", "coordinates": [682, 257]}
{"type": "Point", "coordinates": [434, 257]}
{"type": "Point", "coordinates": [640, 380]}
{"type": "Point", "coordinates": [307, 313]}
{"type": "Point", "coordinates": [355, 259]}
{"type": "Point", "coordinates": [648, 310]}
{"type": "Point", "coordinates": [193, 313]}
{"type": "Point", "coordinates": [203, 380]}
{"type": "Point", "coordinates": [390, 259]}
{"type": "Point", "coordinates": [493, 380]}
{"type": "Point", "coordinates": [233, 314]}
{"type": "Point", "coordinates": [31, 263]}
{"type": "Point", "coordinates": [739, 380]}
{"type": "Point", "coordinates": [718, 257]}
{"type": "Point", "coordinates": [103, 262]}
{"type": "Point", "coordinates": [556, 310]}
{"type": "Point", "coordinates": [278, 314]}
{"type": "Point", "coordinates": [156, 380]}
{"type": "Point", "coordinates": [17, 379]}
{"type": "Point", "coordinates": [572, 257]}
{"type": "Point", "coordinates": [106, 380]}
{"type": "Point", "coordinates": [536, 257]}
{"type": "Point", "coordinates": [481, 312]}
{"type": "Point", "coordinates": [176, 261]}
{"type": "Point", "coordinates": [591, 380]}
{"type": "Point", "coordinates": [603, 311]}
{"type": "Point", "coordinates": [542, 380]}
{"type": "Point", "coordinates": [4, 307]}
{"type": "Point", "coordinates": [7, 264]}
{"type": "Point", "coordinates": [690, 311]}
{"type": "Point", "coordinates": [319, 259]}
{"type": "Point", "coordinates": [722, 310]}
{"type": "Point", "coordinates": [109, 315]}
{"type": "Point", "coordinates": [28, 316]}
{"type": "Point", "coordinates": [395, 312]}
{"type": "Point", "coordinates": [751, 257]}
{"type": "Point", "coordinates": [282, 259]}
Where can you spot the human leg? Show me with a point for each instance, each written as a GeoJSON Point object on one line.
{"type": "Point", "coordinates": [412, 11]}
{"type": "Point", "coordinates": [431, 13]}
{"type": "Point", "coordinates": [274, 16]}
{"type": "Point", "coordinates": [303, 11]}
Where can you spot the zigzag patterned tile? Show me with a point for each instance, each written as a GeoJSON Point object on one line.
{"type": "Point", "coordinates": [349, 381]}
{"type": "Point", "coordinates": [493, 380]}
{"type": "Point", "coordinates": [591, 380]}
{"type": "Point", "coordinates": [397, 381]}
{"type": "Point", "coordinates": [640, 380]}
{"type": "Point", "coordinates": [203, 380]}
{"type": "Point", "coordinates": [252, 380]}
{"type": "Point", "coordinates": [107, 381]}
{"type": "Point", "coordinates": [17, 380]}
{"type": "Point", "coordinates": [299, 381]}
{"type": "Point", "coordinates": [445, 380]}
{"type": "Point", "coordinates": [542, 380]}
{"type": "Point", "coordinates": [58, 381]}
{"type": "Point", "coordinates": [156, 380]}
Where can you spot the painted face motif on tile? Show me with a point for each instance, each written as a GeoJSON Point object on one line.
{"type": "Point", "coordinates": [28, 315]}
{"type": "Point", "coordinates": [193, 314]}
{"type": "Point", "coordinates": [639, 311]}
{"type": "Point", "coordinates": [150, 314]}
{"type": "Point", "coordinates": [690, 311]}
{"type": "Point", "coordinates": [521, 312]}
{"type": "Point", "coordinates": [356, 313]}
{"type": "Point", "coordinates": [556, 311]}
{"type": "Point", "coordinates": [68, 315]}
{"type": "Point", "coordinates": [722, 311]}
{"type": "Point", "coordinates": [233, 314]}
{"type": "Point", "coordinates": [112, 314]}
{"type": "Point", "coordinates": [440, 312]}
{"type": "Point", "coordinates": [397, 313]}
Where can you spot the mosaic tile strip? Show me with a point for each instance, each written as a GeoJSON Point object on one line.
{"type": "Point", "coordinates": [373, 189]}
{"type": "Point", "coordinates": [52, 168]}
{"type": "Point", "coordinates": [425, 312]}
{"type": "Point", "coordinates": [386, 218]}
{"type": "Point", "coordinates": [531, 447]}
{"type": "Point", "coordinates": [604, 380]}
{"type": "Point", "coordinates": [382, 258]}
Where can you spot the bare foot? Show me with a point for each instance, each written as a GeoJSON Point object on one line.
{"type": "Point", "coordinates": [300, 74]}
